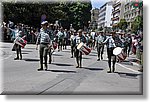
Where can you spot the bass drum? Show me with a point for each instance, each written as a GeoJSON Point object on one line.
{"type": "Point", "coordinates": [118, 51]}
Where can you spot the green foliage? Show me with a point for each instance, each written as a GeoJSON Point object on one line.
{"type": "Point", "coordinates": [79, 14]}
{"type": "Point", "coordinates": [76, 13]}
{"type": "Point", "coordinates": [137, 24]}
{"type": "Point", "coordinates": [122, 24]}
{"type": "Point", "coordinates": [100, 29]}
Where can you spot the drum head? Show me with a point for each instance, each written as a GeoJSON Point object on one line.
{"type": "Point", "coordinates": [117, 50]}
{"type": "Point", "coordinates": [80, 45]}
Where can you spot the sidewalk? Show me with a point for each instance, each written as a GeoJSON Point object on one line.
{"type": "Point", "coordinates": [134, 61]}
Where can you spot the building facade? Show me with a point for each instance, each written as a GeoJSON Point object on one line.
{"type": "Point", "coordinates": [94, 18]}
{"type": "Point", "coordinates": [130, 13]}
{"type": "Point", "coordinates": [118, 11]}
{"type": "Point", "coordinates": [105, 14]}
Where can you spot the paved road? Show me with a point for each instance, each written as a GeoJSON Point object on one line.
{"type": "Point", "coordinates": [22, 77]}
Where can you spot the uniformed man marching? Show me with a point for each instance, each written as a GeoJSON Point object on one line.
{"type": "Point", "coordinates": [60, 39]}
{"type": "Point", "coordinates": [72, 42]}
{"type": "Point", "coordinates": [18, 47]}
{"type": "Point", "coordinates": [110, 42]}
{"type": "Point", "coordinates": [51, 35]}
{"type": "Point", "coordinates": [99, 44]}
{"type": "Point", "coordinates": [80, 38]}
{"type": "Point", "coordinates": [45, 43]}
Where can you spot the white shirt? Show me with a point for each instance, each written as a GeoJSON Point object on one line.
{"type": "Point", "coordinates": [99, 39]}
{"type": "Point", "coordinates": [110, 42]}
{"type": "Point", "coordinates": [93, 35]}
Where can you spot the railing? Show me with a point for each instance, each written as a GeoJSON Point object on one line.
{"type": "Point", "coordinates": [115, 11]}
{"type": "Point", "coordinates": [116, 4]}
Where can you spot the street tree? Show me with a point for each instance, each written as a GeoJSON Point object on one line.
{"type": "Point", "coordinates": [76, 13]}
{"type": "Point", "coordinates": [122, 24]}
{"type": "Point", "coordinates": [137, 24]}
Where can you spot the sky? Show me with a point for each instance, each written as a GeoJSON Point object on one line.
{"type": "Point", "coordinates": [98, 3]}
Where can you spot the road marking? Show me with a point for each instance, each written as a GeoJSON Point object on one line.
{"type": "Point", "coordinates": [128, 68]}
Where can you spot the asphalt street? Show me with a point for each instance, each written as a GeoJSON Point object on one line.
{"type": "Point", "coordinates": [62, 77]}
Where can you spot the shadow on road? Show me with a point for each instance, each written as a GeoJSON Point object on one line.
{"type": "Point", "coordinates": [94, 68]}
{"type": "Point", "coordinates": [64, 71]}
{"type": "Point", "coordinates": [26, 59]}
{"type": "Point", "coordinates": [24, 53]}
{"type": "Point", "coordinates": [59, 64]}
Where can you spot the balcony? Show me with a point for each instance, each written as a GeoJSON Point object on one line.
{"type": "Point", "coordinates": [116, 11]}
{"type": "Point", "coordinates": [102, 10]}
{"type": "Point", "coordinates": [116, 4]}
{"type": "Point", "coordinates": [102, 19]}
{"type": "Point", "coordinates": [102, 14]}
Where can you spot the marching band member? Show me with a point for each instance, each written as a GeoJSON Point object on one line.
{"type": "Point", "coordinates": [93, 35]}
{"type": "Point", "coordinates": [18, 33]}
{"type": "Point", "coordinates": [87, 38]}
{"type": "Point", "coordinates": [49, 31]}
{"type": "Point", "coordinates": [65, 39]}
{"type": "Point", "coordinates": [72, 43]}
{"type": "Point", "coordinates": [18, 47]}
{"type": "Point", "coordinates": [99, 44]}
{"type": "Point", "coordinates": [80, 38]}
{"type": "Point", "coordinates": [45, 43]}
{"type": "Point", "coordinates": [118, 43]}
{"type": "Point", "coordinates": [110, 47]}
{"type": "Point", "coordinates": [60, 38]}
{"type": "Point", "coordinates": [129, 44]}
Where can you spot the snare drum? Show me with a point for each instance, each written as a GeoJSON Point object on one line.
{"type": "Point", "coordinates": [20, 41]}
{"type": "Point", "coordinates": [83, 48]}
{"type": "Point", "coordinates": [119, 53]}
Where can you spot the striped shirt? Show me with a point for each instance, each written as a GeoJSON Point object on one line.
{"type": "Point", "coordinates": [110, 42]}
{"type": "Point", "coordinates": [43, 37]}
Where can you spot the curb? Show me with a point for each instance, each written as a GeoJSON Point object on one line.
{"type": "Point", "coordinates": [136, 64]}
